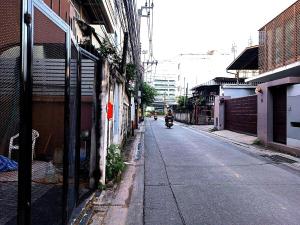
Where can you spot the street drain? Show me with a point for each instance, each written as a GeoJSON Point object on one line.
{"type": "Point", "coordinates": [279, 159]}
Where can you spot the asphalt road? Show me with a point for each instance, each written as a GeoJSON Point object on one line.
{"type": "Point", "coordinates": [195, 178]}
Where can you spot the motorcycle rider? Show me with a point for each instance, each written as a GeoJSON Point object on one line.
{"type": "Point", "coordinates": [169, 115]}
{"type": "Point", "coordinates": [155, 115]}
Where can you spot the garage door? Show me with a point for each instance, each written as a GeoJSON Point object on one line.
{"type": "Point", "coordinates": [241, 114]}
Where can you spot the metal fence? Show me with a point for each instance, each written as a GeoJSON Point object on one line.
{"type": "Point", "coordinates": [90, 125]}
{"type": "Point", "coordinates": [279, 40]}
{"type": "Point", "coordinates": [10, 70]}
{"type": "Point", "coordinates": [47, 163]}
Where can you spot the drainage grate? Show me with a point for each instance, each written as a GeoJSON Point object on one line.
{"type": "Point", "coordinates": [279, 159]}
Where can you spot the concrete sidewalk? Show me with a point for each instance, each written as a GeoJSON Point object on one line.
{"type": "Point", "coordinates": [242, 138]}
{"type": "Point", "coordinates": [234, 136]}
{"type": "Point", "coordinates": [247, 141]}
{"type": "Point", "coordinates": [113, 205]}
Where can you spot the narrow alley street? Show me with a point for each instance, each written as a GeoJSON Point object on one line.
{"type": "Point", "coordinates": [194, 178]}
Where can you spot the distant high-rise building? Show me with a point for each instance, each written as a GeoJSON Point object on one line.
{"type": "Point", "coordinates": [166, 89]}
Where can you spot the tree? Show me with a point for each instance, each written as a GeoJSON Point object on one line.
{"type": "Point", "coordinates": [148, 94]}
{"type": "Point", "coordinates": [130, 72]}
{"type": "Point", "coordinates": [182, 101]}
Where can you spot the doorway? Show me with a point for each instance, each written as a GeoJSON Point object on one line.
{"type": "Point", "coordinates": [279, 114]}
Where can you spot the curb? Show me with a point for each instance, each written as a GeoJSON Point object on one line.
{"type": "Point", "coordinates": [257, 150]}
{"type": "Point", "coordinates": [84, 212]}
{"type": "Point", "coordinates": [136, 204]}
{"type": "Point", "coordinates": [112, 207]}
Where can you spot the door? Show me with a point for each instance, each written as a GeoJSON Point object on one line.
{"type": "Point", "coordinates": [279, 114]}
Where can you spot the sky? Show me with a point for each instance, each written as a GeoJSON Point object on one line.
{"type": "Point", "coordinates": [198, 26]}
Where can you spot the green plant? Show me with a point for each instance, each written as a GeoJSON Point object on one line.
{"type": "Point", "coordinates": [101, 186]}
{"type": "Point", "coordinates": [148, 94]}
{"type": "Point", "coordinates": [257, 142]}
{"type": "Point", "coordinates": [201, 101]}
{"type": "Point", "coordinates": [114, 163]}
{"type": "Point", "coordinates": [130, 71]}
{"type": "Point", "coordinates": [109, 52]}
{"type": "Point", "coordinates": [184, 103]}
{"type": "Point", "coordinates": [213, 129]}
{"type": "Point", "coordinates": [182, 100]}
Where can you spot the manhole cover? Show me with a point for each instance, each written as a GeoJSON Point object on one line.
{"type": "Point", "coordinates": [279, 159]}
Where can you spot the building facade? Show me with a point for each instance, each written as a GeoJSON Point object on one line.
{"type": "Point", "coordinates": [278, 95]}
{"type": "Point", "coordinates": [204, 95]}
{"type": "Point", "coordinates": [166, 90]}
{"type": "Point", "coordinates": [62, 63]}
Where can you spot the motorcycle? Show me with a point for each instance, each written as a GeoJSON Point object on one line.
{"type": "Point", "coordinates": [169, 122]}
{"type": "Point", "coordinates": [155, 117]}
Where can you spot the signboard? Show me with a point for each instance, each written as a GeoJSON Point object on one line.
{"type": "Point", "coordinates": [110, 109]}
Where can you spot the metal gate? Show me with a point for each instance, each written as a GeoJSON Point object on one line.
{"type": "Point", "coordinates": [10, 87]}
{"type": "Point", "coordinates": [41, 127]}
{"type": "Point", "coordinates": [52, 111]}
{"type": "Point", "coordinates": [88, 172]}
{"type": "Point", "coordinates": [241, 114]}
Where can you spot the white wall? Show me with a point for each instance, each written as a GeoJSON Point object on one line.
{"type": "Point", "coordinates": [104, 122]}
{"type": "Point", "coordinates": [293, 115]}
{"type": "Point", "coordinates": [238, 92]}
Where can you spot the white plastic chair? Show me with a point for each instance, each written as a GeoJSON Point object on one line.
{"type": "Point", "coordinates": [35, 135]}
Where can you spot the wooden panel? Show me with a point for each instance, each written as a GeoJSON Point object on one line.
{"type": "Point", "coordinates": [241, 114]}
{"type": "Point", "coordinates": [279, 114]}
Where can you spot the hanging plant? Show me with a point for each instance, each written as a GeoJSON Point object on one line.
{"type": "Point", "coordinates": [130, 72]}
{"type": "Point", "coordinates": [109, 52]}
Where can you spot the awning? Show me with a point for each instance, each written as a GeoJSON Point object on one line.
{"type": "Point", "coordinates": [291, 70]}
{"type": "Point", "coordinates": [100, 13]}
{"type": "Point", "coordinates": [247, 60]}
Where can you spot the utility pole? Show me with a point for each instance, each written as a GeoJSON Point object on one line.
{"type": "Point", "coordinates": [141, 14]}
{"type": "Point", "coordinates": [165, 110]}
{"type": "Point", "coordinates": [149, 63]}
{"type": "Point", "coordinates": [186, 95]}
{"type": "Point", "coordinates": [233, 49]}
{"type": "Point", "coordinates": [183, 88]}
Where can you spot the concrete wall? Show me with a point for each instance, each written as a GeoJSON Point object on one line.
{"type": "Point", "coordinates": [104, 122]}
{"type": "Point", "coordinates": [182, 117]}
{"type": "Point", "coordinates": [116, 114]}
{"type": "Point", "coordinates": [293, 115]}
{"type": "Point", "coordinates": [265, 115]}
{"type": "Point", "coordinates": [265, 111]}
{"type": "Point", "coordinates": [132, 112]}
{"type": "Point", "coordinates": [219, 112]}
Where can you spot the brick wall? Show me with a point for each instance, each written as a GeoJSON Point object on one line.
{"type": "Point", "coordinates": [9, 24]}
